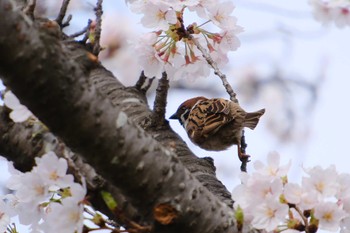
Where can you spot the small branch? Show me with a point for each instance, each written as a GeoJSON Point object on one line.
{"type": "Point", "coordinates": [146, 87]}
{"type": "Point", "coordinates": [141, 81]}
{"type": "Point", "coordinates": [243, 151]}
{"type": "Point", "coordinates": [217, 71]}
{"type": "Point", "coordinates": [65, 24]}
{"type": "Point", "coordinates": [85, 31]}
{"type": "Point", "coordinates": [98, 11]}
{"type": "Point", "coordinates": [306, 222]}
{"type": "Point", "coordinates": [160, 100]}
{"type": "Point", "coordinates": [29, 9]}
{"type": "Point", "coordinates": [144, 83]}
{"type": "Point", "coordinates": [62, 13]}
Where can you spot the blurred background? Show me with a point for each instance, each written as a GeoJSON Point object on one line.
{"type": "Point", "coordinates": [288, 63]}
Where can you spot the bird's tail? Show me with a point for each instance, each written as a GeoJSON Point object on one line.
{"type": "Point", "coordinates": [252, 118]}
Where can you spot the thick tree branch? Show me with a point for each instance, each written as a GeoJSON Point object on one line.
{"type": "Point", "coordinates": [134, 103]}
{"type": "Point", "coordinates": [22, 142]}
{"type": "Point", "coordinates": [62, 98]}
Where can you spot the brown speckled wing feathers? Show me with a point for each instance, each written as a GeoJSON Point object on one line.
{"type": "Point", "coordinates": [207, 117]}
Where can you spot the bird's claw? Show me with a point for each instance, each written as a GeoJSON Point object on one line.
{"type": "Point", "coordinates": [244, 157]}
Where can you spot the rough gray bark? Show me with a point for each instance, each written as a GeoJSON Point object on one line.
{"type": "Point", "coordinates": [22, 142]}
{"type": "Point", "coordinates": [52, 79]}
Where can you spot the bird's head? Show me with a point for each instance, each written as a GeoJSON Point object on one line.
{"type": "Point", "coordinates": [184, 109]}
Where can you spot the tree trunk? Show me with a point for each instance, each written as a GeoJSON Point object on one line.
{"type": "Point", "coordinates": [64, 85]}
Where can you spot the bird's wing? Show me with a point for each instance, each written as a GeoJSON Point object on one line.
{"type": "Point", "coordinates": [207, 117]}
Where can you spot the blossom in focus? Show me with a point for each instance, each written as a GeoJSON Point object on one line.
{"type": "Point", "coordinates": [53, 170]}
{"type": "Point", "coordinates": [329, 214]}
{"type": "Point", "coordinates": [64, 217]}
{"type": "Point", "coordinates": [46, 198]}
{"type": "Point", "coordinates": [269, 214]}
{"type": "Point", "coordinates": [19, 113]}
{"type": "Point", "coordinates": [174, 49]}
{"type": "Point", "coordinates": [270, 202]}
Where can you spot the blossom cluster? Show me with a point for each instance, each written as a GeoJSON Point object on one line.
{"type": "Point", "coordinates": [46, 199]}
{"type": "Point", "coordinates": [268, 201]}
{"type": "Point", "coordinates": [327, 11]}
{"type": "Point", "coordinates": [171, 46]}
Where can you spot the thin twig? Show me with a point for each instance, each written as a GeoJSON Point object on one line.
{"type": "Point", "coordinates": [29, 9]}
{"type": "Point", "coordinates": [146, 87]}
{"type": "Point", "coordinates": [160, 100]}
{"type": "Point", "coordinates": [83, 31]}
{"type": "Point", "coordinates": [217, 71]}
{"type": "Point", "coordinates": [62, 12]}
{"type": "Point", "coordinates": [66, 23]}
{"type": "Point", "coordinates": [87, 32]}
{"type": "Point", "coordinates": [98, 12]}
{"type": "Point", "coordinates": [244, 160]}
{"type": "Point", "coordinates": [144, 83]}
{"type": "Point", "coordinates": [229, 90]}
{"type": "Point", "coordinates": [141, 81]}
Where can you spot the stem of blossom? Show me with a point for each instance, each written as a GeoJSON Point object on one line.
{"type": "Point", "coordinates": [217, 71]}
{"type": "Point", "coordinates": [303, 218]}
{"type": "Point", "coordinates": [204, 23]}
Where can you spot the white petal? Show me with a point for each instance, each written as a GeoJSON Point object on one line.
{"type": "Point", "coordinates": [21, 114]}
{"type": "Point", "coordinates": [11, 101]}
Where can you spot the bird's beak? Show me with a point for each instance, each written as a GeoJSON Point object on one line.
{"type": "Point", "coordinates": [174, 116]}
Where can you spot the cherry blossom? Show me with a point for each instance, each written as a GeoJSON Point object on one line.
{"type": "Point", "coordinates": [175, 40]}
{"type": "Point", "coordinates": [64, 217]}
{"type": "Point", "coordinates": [324, 181]}
{"type": "Point", "coordinates": [46, 198]}
{"type": "Point", "coordinates": [273, 167]}
{"type": "Point", "coordinates": [329, 214]}
{"type": "Point", "coordinates": [158, 16]}
{"type": "Point", "coordinates": [269, 214]}
{"type": "Point", "coordinates": [270, 202]}
{"type": "Point", "coordinates": [220, 14]}
{"type": "Point", "coordinates": [53, 170]}
{"type": "Point", "coordinates": [4, 217]}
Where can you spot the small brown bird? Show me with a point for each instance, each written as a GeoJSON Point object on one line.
{"type": "Point", "coordinates": [215, 124]}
